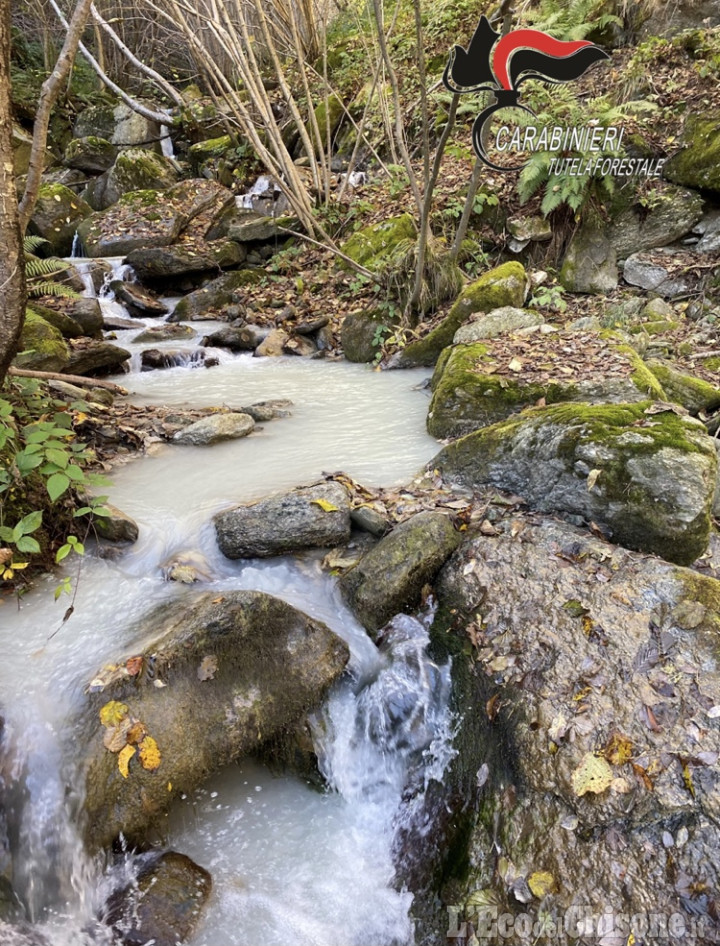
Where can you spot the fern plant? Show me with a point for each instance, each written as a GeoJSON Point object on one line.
{"type": "Point", "coordinates": [574, 20]}
{"type": "Point", "coordinates": [38, 271]}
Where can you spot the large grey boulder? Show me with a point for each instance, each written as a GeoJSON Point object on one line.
{"type": "Point", "coordinates": [503, 321]}
{"type": "Point", "coordinates": [590, 733]}
{"type": "Point", "coordinates": [641, 471]}
{"type": "Point", "coordinates": [91, 154]}
{"type": "Point", "coordinates": [389, 578]}
{"type": "Point", "coordinates": [214, 429]}
{"type": "Point", "coordinates": [157, 262]}
{"type": "Point", "coordinates": [204, 303]}
{"type": "Point", "coordinates": [310, 517]}
{"type": "Point", "coordinates": [647, 273]}
{"type": "Point", "coordinates": [90, 357]}
{"type": "Point", "coordinates": [57, 215]}
{"type": "Point", "coordinates": [119, 124]}
{"type": "Point", "coordinates": [210, 677]}
{"type": "Point", "coordinates": [675, 213]}
{"type": "Point", "coordinates": [135, 170]}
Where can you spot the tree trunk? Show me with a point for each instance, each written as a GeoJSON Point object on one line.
{"type": "Point", "coordinates": [12, 269]}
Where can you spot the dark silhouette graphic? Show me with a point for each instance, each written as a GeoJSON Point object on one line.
{"type": "Point", "coordinates": [517, 56]}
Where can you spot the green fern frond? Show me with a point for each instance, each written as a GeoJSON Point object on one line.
{"type": "Point", "coordinates": [39, 288]}
{"type": "Point", "coordinates": [35, 267]}
{"type": "Point", "coordinates": [32, 243]}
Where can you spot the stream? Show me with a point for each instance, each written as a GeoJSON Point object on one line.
{"type": "Point", "coordinates": [289, 863]}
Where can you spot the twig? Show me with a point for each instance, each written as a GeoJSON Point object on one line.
{"type": "Point", "coordinates": [70, 378]}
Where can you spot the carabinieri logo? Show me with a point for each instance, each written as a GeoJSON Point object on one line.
{"type": "Point", "coordinates": [517, 56]}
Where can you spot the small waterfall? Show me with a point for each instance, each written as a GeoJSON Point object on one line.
{"type": "Point", "coordinates": [265, 196]}
{"type": "Point", "coordinates": [119, 270]}
{"type": "Point", "coordinates": [166, 142]}
{"type": "Point", "coordinates": [76, 250]}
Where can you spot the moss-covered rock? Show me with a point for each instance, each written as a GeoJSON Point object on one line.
{"type": "Point", "coordinates": [698, 164]}
{"type": "Point", "coordinates": [41, 345]}
{"type": "Point", "coordinates": [389, 578]}
{"type": "Point", "coordinates": [93, 155]}
{"type": "Point", "coordinates": [372, 246]}
{"type": "Point", "coordinates": [204, 303]}
{"type": "Point", "coordinates": [684, 388]}
{"type": "Point", "coordinates": [136, 170]}
{"type": "Point", "coordinates": [238, 667]}
{"type": "Point", "coordinates": [57, 215]}
{"type": "Point", "coordinates": [648, 477]}
{"type": "Point", "coordinates": [469, 392]}
{"type": "Point", "coordinates": [65, 324]}
{"type": "Point", "coordinates": [118, 124]}
{"type": "Point", "coordinates": [362, 333]}
{"type": "Point", "coordinates": [505, 285]}
{"type": "Point", "coordinates": [22, 146]}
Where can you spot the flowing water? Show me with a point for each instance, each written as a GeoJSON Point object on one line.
{"type": "Point", "coordinates": [289, 863]}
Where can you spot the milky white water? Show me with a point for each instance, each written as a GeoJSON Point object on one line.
{"type": "Point", "coordinates": [289, 863]}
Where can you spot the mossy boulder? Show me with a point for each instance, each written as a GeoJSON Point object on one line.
{"type": "Point", "coordinates": [645, 474]}
{"type": "Point", "coordinates": [152, 223]}
{"type": "Point", "coordinates": [94, 357]}
{"type": "Point", "coordinates": [135, 170]}
{"type": "Point", "coordinates": [118, 124]}
{"type": "Point", "coordinates": [42, 347]}
{"type": "Point", "coordinates": [238, 668]}
{"type": "Point", "coordinates": [505, 285]}
{"type": "Point", "coordinates": [247, 226]}
{"type": "Point", "coordinates": [329, 116]}
{"type": "Point", "coordinates": [684, 388]}
{"type": "Point", "coordinates": [374, 245]}
{"type": "Point", "coordinates": [473, 388]}
{"type": "Point", "coordinates": [389, 578]}
{"type": "Point", "coordinates": [65, 324]}
{"type": "Point", "coordinates": [22, 147]}
{"type": "Point", "coordinates": [698, 164]}
{"type": "Point", "coordinates": [57, 215]}
{"type": "Point", "coordinates": [210, 150]}
{"type": "Point", "coordinates": [92, 155]}
{"type": "Point", "coordinates": [361, 335]}
{"type": "Point", "coordinates": [502, 321]}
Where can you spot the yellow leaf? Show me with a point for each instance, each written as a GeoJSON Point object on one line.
{"type": "Point", "coordinates": [592, 775]}
{"type": "Point", "coordinates": [325, 505]}
{"type": "Point", "coordinates": [515, 365]}
{"type": "Point", "coordinates": [169, 786]}
{"type": "Point", "coordinates": [124, 759]}
{"type": "Point", "coordinates": [112, 713]}
{"type": "Point", "coordinates": [618, 750]}
{"type": "Point", "coordinates": [57, 197]}
{"type": "Point", "coordinates": [541, 883]}
{"type": "Point", "coordinates": [592, 478]}
{"type": "Point", "coordinates": [149, 754]}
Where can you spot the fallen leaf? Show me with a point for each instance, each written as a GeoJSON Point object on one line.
{"type": "Point", "coordinates": [541, 883]}
{"type": "Point", "coordinates": [124, 759]}
{"type": "Point", "coordinates": [150, 757]}
{"type": "Point", "coordinates": [134, 665]}
{"type": "Point", "coordinates": [592, 775]}
{"type": "Point", "coordinates": [207, 669]}
{"type": "Point", "coordinates": [515, 365]}
{"type": "Point", "coordinates": [618, 750]}
{"type": "Point", "coordinates": [113, 713]}
{"type": "Point", "coordinates": [136, 733]}
{"type": "Point", "coordinates": [325, 505]}
{"type": "Point", "coordinates": [592, 478]}
{"type": "Point", "coordinates": [116, 738]}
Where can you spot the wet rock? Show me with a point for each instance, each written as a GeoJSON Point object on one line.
{"type": "Point", "coordinates": [249, 226]}
{"type": "Point", "coordinates": [159, 358]}
{"type": "Point", "coordinates": [116, 527]}
{"type": "Point", "coordinates": [590, 681]}
{"type": "Point", "coordinates": [300, 345]}
{"type": "Point", "coordinates": [311, 326]}
{"type": "Point", "coordinates": [215, 428]}
{"type": "Point", "coordinates": [369, 520]}
{"type": "Point", "coordinates": [674, 214]}
{"type": "Point", "coordinates": [41, 346]}
{"type": "Point", "coordinates": [91, 154]}
{"type": "Point", "coordinates": [186, 567]}
{"type": "Point", "coordinates": [390, 577]}
{"type": "Point", "coordinates": [138, 301]}
{"type": "Point", "coordinates": [89, 357]}
{"type": "Point", "coordinates": [590, 264]}
{"type": "Point", "coordinates": [362, 333]}
{"type": "Point", "coordinates": [163, 333]}
{"type": "Point", "coordinates": [505, 285]}
{"type": "Point", "coordinates": [273, 346]}
{"type": "Point", "coordinates": [205, 302]}
{"type": "Point", "coordinates": [245, 338]}
{"type": "Point", "coordinates": [648, 478]}
{"type": "Point", "coordinates": [57, 215]}
{"type": "Point", "coordinates": [502, 321]}
{"type": "Point", "coordinates": [219, 674]}
{"type": "Point", "coordinates": [21, 935]}
{"type": "Point", "coordinates": [163, 906]}
{"type": "Point", "coordinates": [264, 411]}
{"type": "Point", "coordinates": [648, 274]}
{"type": "Point", "coordinates": [692, 392]}
{"type": "Point", "coordinates": [468, 393]}
{"type": "Point", "coordinates": [309, 517]}
{"type": "Point", "coordinates": [114, 322]}
{"type": "Point", "coordinates": [162, 262]}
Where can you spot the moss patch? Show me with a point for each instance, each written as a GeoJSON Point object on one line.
{"type": "Point", "coordinates": [698, 164]}
{"type": "Point", "coordinates": [372, 246]}
{"type": "Point", "coordinates": [41, 345]}
{"type": "Point", "coordinates": [683, 388]}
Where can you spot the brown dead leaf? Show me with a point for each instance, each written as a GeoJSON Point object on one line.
{"type": "Point", "coordinates": [134, 665]}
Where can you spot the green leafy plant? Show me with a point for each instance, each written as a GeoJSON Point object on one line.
{"type": "Point", "coordinates": [38, 270]}
{"type": "Point", "coordinates": [549, 297]}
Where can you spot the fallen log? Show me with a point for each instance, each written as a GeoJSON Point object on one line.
{"type": "Point", "coordinates": [70, 378]}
